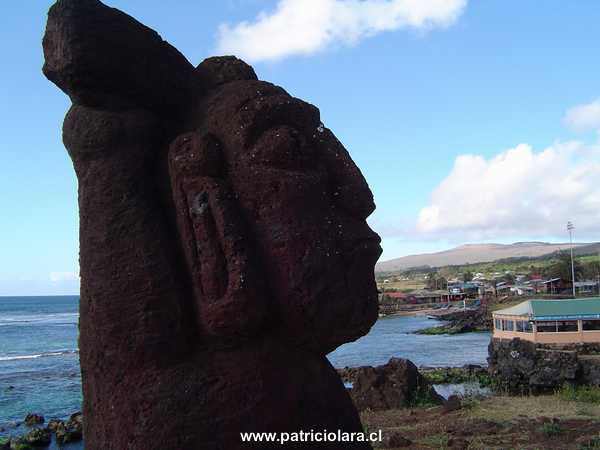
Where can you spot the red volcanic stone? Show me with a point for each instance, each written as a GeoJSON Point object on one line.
{"type": "Point", "coordinates": [223, 244]}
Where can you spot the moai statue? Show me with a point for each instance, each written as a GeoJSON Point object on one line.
{"type": "Point", "coordinates": [223, 244]}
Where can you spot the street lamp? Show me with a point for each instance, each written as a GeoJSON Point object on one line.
{"type": "Point", "coordinates": [570, 228]}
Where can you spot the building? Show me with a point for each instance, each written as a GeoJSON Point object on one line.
{"type": "Point", "coordinates": [550, 321]}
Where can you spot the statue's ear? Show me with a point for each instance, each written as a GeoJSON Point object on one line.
{"type": "Point", "coordinates": [229, 292]}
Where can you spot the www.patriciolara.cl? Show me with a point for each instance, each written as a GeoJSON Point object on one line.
{"type": "Point", "coordinates": [312, 436]}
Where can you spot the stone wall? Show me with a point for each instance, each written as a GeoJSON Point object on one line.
{"type": "Point", "coordinates": [520, 366]}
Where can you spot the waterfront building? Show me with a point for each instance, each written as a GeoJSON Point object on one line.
{"type": "Point", "coordinates": [550, 321]}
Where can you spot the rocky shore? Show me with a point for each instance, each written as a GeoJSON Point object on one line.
{"type": "Point", "coordinates": [461, 321]}
{"type": "Point", "coordinates": [400, 400]}
{"type": "Point", "coordinates": [38, 436]}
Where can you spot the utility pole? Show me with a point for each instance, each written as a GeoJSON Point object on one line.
{"type": "Point", "coordinates": [570, 228]}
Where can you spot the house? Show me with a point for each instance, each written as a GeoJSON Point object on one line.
{"type": "Point", "coordinates": [556, 285]}
{"type": "Point", "coordinates": [550, 321]}
{"type": "Point", "coordinates": [586, 287]}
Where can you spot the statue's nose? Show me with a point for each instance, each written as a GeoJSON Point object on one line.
{"type": "Point", "coordinates": [349, 188]}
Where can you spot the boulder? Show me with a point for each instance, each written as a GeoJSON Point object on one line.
{"type": "Point", "coordinates": [33, 419]}
{"type": "Point", "coordinates": [397, 384]}
{"type": "Point", "coordinates": [38, 437]}
{"type": "Point", "coordinates": [53, 424]}
{"type": "Point", "coordinates": [69, 432]}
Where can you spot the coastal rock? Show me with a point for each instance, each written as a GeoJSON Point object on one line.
{"type": "Point", "coordinates": [38, 437]}
{"type": "Point", "coordinates": [521, 366]}
{"type": "Point", "coordinates": [33, 419]}
{"type": "Point", "coordinates": [53, 424]}
{"type": "Point", "coordinates": [224, 249]}
{"type": "Point", "coordinates": [70, 431]}
{"type": "Point", "coordinates": [397, 384]}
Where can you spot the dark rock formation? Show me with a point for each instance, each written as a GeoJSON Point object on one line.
{"type": "Point", "coordinates": [38, 437]}
{"type": "Point", "coordinates": [463, 321]}
{"type": "Point", "coordinates": [33, 419]}
{"type": "Point", "coordinates": [397, 384]}
{"type": "Point", "coordinates": [520, 366]}
{"type": "Point", "coordinates": [223, 244]}
{"type": "Point", "coordinates": [71, 431]}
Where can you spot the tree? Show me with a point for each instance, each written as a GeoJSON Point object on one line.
{"type": "Point", "coordinates": [591, 270]}
{"type": "Point", "coordinates": [435, 281]}
{"type": "Point", "coordinates": [467, 276]}
{"type": "Point", "coordinates": [509, 278]}
{"type": "Point", "coordinates": [562, 267]}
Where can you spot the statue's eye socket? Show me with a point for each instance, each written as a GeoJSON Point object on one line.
{"type": "Point", "coordinates": [283, 147]}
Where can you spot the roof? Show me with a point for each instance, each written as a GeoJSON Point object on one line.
{"type": "Point", "coordinates": [578, 308]}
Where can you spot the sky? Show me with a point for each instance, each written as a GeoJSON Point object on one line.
{"type": "Point", "coordinates": [472, 121]}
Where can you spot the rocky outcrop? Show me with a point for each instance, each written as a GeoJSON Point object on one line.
{"type": "Point", "coordinates": [460, 322]}
{"type": "Point", "coordinates": [224, 249]}
{"type": "Point", "coordinates": [33, 419]}
{"type": "Point", "coordinates": [522, 366]}
{"type": "Point", "coordinates": [397, 384]}
{"type": "Point", "coordinates": [69, 431]}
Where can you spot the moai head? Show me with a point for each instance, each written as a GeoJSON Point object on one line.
{"type": "Point", "coordinates": [261, 163]}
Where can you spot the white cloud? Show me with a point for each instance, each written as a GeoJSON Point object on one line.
{"type": "Point", "coordinates": [301, 27]}
{"type": "Point", "coordinates": [519, 192]}
{"type": "Point", "coordinates": [61, 277]}
{"type": "Point", "coordinates": [584, 117]}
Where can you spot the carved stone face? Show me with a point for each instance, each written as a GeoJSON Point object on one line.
{"type": "Point", "coordinates": [304, 202]}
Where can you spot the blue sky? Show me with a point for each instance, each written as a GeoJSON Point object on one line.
{"type": "Point", "coordinates": [473, 121]}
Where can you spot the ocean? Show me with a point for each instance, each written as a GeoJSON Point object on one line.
{"type": "Point", "coordinates": [39, 360]}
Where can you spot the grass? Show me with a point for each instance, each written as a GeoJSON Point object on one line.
{"type": "Point", "coordinates": [455, 375]}
{"type": "Point", "coordinates": [592, 444]}
{"type": "Point", "coordinates": [507, 408]}
{"type": "Point", "coordinates": [439, 441]}
{"type": "Point", "coordinates": [551, 429]}
{"type": "Point", "coordinates": [584, 394]}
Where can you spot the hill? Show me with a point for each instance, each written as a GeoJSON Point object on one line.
{"type": "Point", "coordinates": [476, 253]}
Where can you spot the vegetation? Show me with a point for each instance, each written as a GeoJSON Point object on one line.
{"type": "Point", "coordinates": [455, 375]}
{"type": "Point", "coordinates": [592, 444]}
{"type": "Point", "coordinates": [584, 394]}
{"type": "Point", "coordinates": [433, 280]}
{"type": "Point", "coordinates": [561, 267]}
{"type": "Point", "coordinates": [551, 429]}
{"type": "Point", "coordinates": [442, 329]}
{"type": "Point", "coordinates": [555, 265]}
{"type": "Point", "coordinates": [519, 422]}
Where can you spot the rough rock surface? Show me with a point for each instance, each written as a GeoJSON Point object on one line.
{"type": "Point", "coordinates": [521, 366]}
{"type": "Point", "coordinates": [33, 419]}
{"type": "Point", "coordinates": [223, 244]}
{"type": "Point", "coordinates": [397, 384]}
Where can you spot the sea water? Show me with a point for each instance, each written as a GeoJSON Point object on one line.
{"type": "Point", "coordinates": [39, 360]}
{"type": "Point", "coordinates": [394, 336]}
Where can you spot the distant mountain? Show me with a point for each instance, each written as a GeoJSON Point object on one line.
{"type": "Point", "coordinates": [476, 253]}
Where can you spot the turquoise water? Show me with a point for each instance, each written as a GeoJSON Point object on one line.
{"type": "Point", "coordinates": [393, 336]}
{"type": "Point", "coordinates": [39, 362]}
